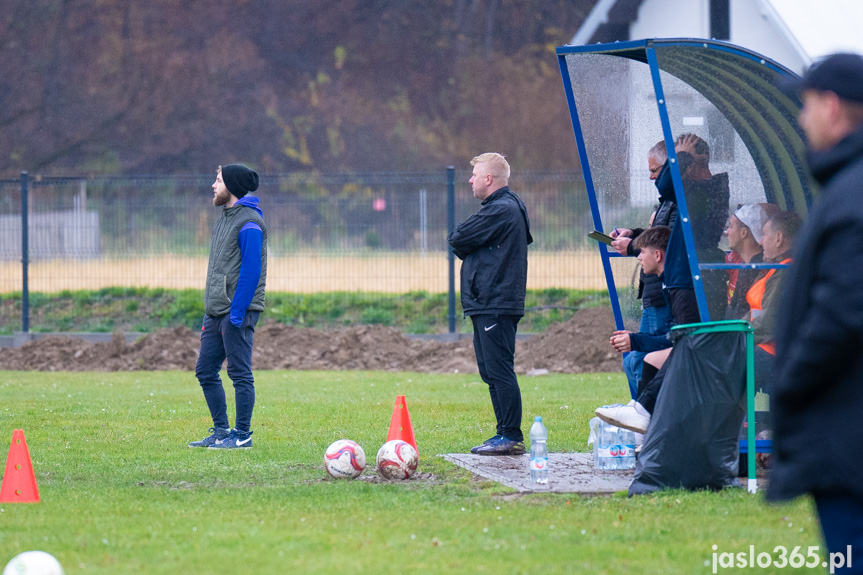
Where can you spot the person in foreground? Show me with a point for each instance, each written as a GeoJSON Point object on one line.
{"type": "Point", "coordinates": [233, 300]}
{"type": "Point", "coordinates": [817, 398]}
{"type": "Point", "coordinates": [492, 245]}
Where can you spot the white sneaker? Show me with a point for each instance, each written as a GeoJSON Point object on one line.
{"type": "Point", "coordinates": [624, 416]}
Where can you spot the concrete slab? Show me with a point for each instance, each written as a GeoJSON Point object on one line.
{"type": "Point", "coordinates": [568, 473]}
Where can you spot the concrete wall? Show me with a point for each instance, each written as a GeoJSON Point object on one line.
{"type": "Point", "coordinates": [754, 25]}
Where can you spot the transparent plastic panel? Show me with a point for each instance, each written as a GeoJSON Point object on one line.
{"type": "Point", "coordinates": [730, 178]}
{"type": "Point", "coordinates": [619, 120]}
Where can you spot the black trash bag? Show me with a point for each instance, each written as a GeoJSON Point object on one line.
{"type": "Point", "coordinates": [692, 441]}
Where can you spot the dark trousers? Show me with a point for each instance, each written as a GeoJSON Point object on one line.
{"type": "Point", "coordinates": [841, 519]}
{"type": "Point", "coordinates": [494, 345]}
{"type": "Point", "coordinates": [221, 339]}
{"type": "Point", "coordinates": [684, 309]}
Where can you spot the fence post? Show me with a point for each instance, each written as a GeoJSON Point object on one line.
{"type": "Point", "coordinates": [25, 257]}
{"type": "Point", "coordinates": [450, 217]}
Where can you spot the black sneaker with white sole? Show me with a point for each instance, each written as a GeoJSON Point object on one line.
{"type": "Point", "coordinates": [236, 440]}
{"type": "Point", "coordinates": [216, 434]}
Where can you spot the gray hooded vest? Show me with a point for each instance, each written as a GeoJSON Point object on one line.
{"type": "Point", "coordinates": [223, 271]}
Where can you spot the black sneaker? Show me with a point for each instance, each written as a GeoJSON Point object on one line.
{"type": "Point", "coordinates": [217, 433]}
{"type": "Point", "coordinates": [235, 440]}
{"type": "Point", "coordinates": [486, 442]}
{"type": "Point", "coordinates": [501, 446]}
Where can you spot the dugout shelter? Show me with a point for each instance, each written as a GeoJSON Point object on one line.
{"type": "Point", "coordinates": [626, 96]}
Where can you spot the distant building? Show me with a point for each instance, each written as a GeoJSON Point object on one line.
{"type": "Point", "coordinates": [792, 32]}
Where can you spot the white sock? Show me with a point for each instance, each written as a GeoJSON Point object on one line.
{"type": "Point", "coordinates": [640, 410]}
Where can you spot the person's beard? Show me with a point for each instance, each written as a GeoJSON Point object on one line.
{"type": "Point", "coordinates": [221, 198]}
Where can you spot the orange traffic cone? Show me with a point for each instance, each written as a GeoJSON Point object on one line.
{"type": "Point", "coordinates": [19, 481]}
{"type": "Point", "coordinates": [400, 424]}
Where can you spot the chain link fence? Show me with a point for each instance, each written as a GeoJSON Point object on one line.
{"type": "Point", "coordinates": [328, 232]}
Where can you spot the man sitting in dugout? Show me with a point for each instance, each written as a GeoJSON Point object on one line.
{"type": "Point", "coordinates": [763, 297]}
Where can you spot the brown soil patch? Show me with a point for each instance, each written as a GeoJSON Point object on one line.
{"type": "Point", "coordinates": [575, 346]}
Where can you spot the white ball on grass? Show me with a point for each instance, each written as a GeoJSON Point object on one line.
{"type": "Point", "coordinates": [397, 459]}
{"type": "Point", "coordinates": [344, 459]}
{"type": "Point", "coordinates": [33, 563]}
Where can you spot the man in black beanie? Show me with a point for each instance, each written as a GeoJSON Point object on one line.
{"type": "Point", "coordinates": [233, 300]}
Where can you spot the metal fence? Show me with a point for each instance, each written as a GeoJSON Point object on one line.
{"type": "Point", "coordinates": [328, 232]}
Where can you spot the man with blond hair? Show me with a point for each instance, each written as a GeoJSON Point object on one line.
{"type": "Point", "coordinates": [492, 245]}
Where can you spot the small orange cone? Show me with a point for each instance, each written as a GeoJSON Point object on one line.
{"type": "Point", "coordinates": [400, 424]}
{"type": "Point", "coordinates": [19, 481]}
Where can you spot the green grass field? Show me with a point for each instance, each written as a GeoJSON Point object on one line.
{"type": "Point", "coordinates": [121, 492]}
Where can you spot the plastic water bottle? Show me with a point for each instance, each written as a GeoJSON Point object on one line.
{"type": "Point", "coordinates": [538, 453]}
{"type": "Point", "coordinates": [613, 447]}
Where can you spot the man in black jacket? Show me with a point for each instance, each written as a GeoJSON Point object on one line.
{"type": "Point", "coordinates": [817, 399]}
{"type": "Point", "coordinates": [493, 246]}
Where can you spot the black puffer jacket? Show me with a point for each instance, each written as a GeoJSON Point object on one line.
{"type": "Point", "coordinates": [493, 246]}
{"type": "Point", "coordinates": [817, 398]}
{"type": "Point", "coordinates": [649, 286]}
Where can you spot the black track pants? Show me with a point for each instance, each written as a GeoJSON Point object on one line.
{"type": "Point", "coordinates": [494, 344]}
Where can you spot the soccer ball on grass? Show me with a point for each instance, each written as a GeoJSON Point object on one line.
{"type": "Point", "coordinates": [344, 459]}
{"type": "Point", "coordinates": [33, 563]}
{"type": "Point", "coordinates": [397, 459]}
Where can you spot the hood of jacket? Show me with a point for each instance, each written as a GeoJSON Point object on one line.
{"type": "Point", "coordinates": [251, 202]}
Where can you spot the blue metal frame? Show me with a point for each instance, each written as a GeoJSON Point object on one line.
{"type": "Point", "coordinates": [744, 266]}
{"type": "Point", "coordinates": [591, 192]}
{"type": "Point", "coordinates": [682, 209]}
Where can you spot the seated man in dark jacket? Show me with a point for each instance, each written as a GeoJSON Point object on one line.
{"type": "Point", "coordinates": [651, 247]}
{"type": "Point", "coordinates": [655, 313]}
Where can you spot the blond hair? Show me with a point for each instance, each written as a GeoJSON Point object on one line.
{"type": "Point", "coordinates": [498, 167]}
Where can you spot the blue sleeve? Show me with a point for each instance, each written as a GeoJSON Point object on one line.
{"type": "Point", "coordinates": [646, 342]}
{"type": "Point", "coordinates": [251, 239]}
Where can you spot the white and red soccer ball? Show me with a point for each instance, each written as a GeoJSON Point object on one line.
{"type": "Point", "coordinates": [33, 563]}
{"type": "Point", "coordinates": [397, 459]}
{"type": "Point", "coordinates": [344, 459]}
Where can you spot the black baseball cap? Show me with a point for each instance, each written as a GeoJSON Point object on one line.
{"type": "Point", "coordinates": [841, 74]}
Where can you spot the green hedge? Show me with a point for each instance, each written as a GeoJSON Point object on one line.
{"type": "Point", "coordinates": [144, 309]}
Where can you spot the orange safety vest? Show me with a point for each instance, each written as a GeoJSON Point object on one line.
{"type": "Point", "coordinates": [754, 297]}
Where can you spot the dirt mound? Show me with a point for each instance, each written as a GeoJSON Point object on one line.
{"type": "Point", "coordinates": [576, 346]}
